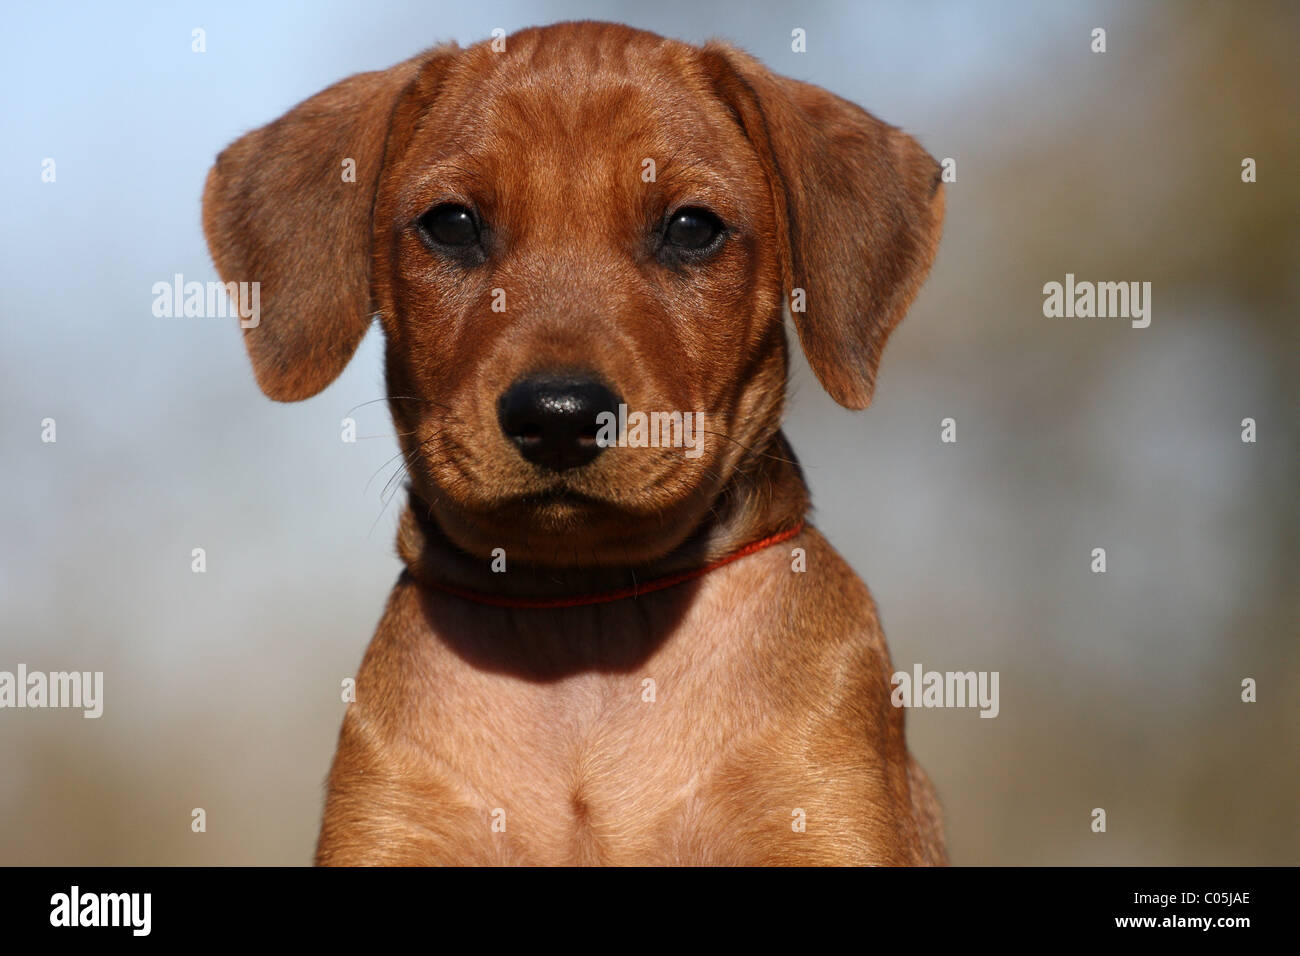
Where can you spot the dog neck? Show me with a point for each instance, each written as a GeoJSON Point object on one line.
{"type": "Point", "coordinates": [764, 502]}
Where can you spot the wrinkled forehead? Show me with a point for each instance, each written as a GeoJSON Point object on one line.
{"type": "Point", "coordinates": [587, 119]}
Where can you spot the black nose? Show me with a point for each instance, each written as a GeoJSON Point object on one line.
{"type": "Point", "coordinates": [552, 419]}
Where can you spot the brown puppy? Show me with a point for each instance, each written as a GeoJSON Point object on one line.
{"type": "Point", "coordinates": [591, 217]}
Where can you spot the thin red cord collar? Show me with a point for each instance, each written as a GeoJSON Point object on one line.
{"type": "Point", "coordinates": [605, 597]}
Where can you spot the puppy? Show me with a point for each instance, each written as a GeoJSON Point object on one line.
{"type": "Point", "coordinates": [613, 642]}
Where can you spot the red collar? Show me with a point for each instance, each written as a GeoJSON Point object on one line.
{"type": "Point", "coordinates": [605, 597]}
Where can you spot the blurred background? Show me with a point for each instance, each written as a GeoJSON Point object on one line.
{"type": "Point", "coordinates": [1118, 690]}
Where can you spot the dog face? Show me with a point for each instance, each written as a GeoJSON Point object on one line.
{"type": "Point", "coordinates": [614, 212]}
{"type": "Point", "coordinates": [592, 223]}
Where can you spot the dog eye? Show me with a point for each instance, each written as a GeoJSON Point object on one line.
{"type": "Point", "coordinates": [450, 225]}
{"type": "Point", "coordinates": [693, 230]}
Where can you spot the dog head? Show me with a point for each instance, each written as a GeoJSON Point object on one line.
{"type": "Point", "coordinates": [561, 231]}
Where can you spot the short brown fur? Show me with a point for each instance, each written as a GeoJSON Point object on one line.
{"type": "Point", "coordinates": [771, 687]}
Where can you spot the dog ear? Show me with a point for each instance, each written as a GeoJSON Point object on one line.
{"type": "Point", "coordinates": [289, 206]}
{"type": "Point", "coordinates": [859, 205]}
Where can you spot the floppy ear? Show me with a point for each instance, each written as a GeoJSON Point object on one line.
{"type": "Point", "coordinates": [279, 210]}
{"type": "Point", "coordinates": [859, 206]}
